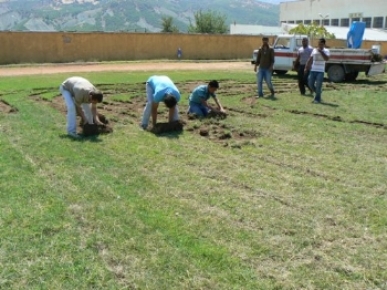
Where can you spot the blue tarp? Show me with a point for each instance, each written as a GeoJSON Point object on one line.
{"type": "Point", "coordinates": [355, 34]}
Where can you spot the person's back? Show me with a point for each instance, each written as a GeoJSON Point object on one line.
{"type": "Point", "coordinates": [163, 85]}
{"type": "Point", "coordinates": [199, 93]}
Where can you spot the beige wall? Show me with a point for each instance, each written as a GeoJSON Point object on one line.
{"type": "Point", "coordinates": [52, 47]}
{"type": "Point", "coordinates": [47, 47]}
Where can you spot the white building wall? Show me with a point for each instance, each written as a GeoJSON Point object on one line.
{"type": "Point", "coordinates": [333, 9]}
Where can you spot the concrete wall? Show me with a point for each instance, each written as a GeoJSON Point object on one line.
{"type": "Point", "coordinates": [52, 47]}
{"type": "Point", "coordinates": [333, 9]}
{"type": "Point", "coordinates": [56, 47]}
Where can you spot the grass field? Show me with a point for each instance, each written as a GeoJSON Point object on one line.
{"type": "Point", "coordinates": [283, 194]}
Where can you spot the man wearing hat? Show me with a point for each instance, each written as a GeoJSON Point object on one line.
{"type": "Point", "coordinates": [265, 61]}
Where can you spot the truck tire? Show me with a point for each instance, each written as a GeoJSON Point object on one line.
{"type": "Point", "coordinates": [351, 77]}
{"type": "Point", "coordinates": [280, 72]}
{"type": "Point", "coordinates": [336, 73]}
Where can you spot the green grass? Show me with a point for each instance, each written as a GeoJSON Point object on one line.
{"type": "Point", "coordinates": [302, 205]}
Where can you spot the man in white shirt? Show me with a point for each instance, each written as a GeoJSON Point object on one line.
{"type": "Point", "coordinates": [78, 94]}
{"type": "Point", "coordinates": [316, 66]}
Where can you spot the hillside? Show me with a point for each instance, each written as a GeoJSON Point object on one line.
{"type": "Point", "coordinates": [125, 15]}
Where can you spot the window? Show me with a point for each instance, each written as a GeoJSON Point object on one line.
{"type": "Point", "coordinates": [367, 21]}
{"type": "Point", "coordinates": [335, 22]}
{"type": "Point", "coordinates": [378, 22]}
{"type": "Point", "coordinates": [326, 22]}
{"type": "Point", "coordinates": [298, 21]}
{"type": "Point", "coordinates": [316, 21]}
{"type": "Point", "coordinates": [291, 21]}
{"type": "Point", "coordinates": [344, 22]}
{"type": "Point", "coordinates": [307, 22]}
{"type": "Point", "coordinates": [355, 19]}
{"type": "Point", "coordinates": [283, 43]}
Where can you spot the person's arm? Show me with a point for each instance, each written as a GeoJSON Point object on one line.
{"type": "Point", "coordinates": [296, 62]}
{"type": "Point", "coordinates": [219, 105]}
{"type": "Point", "coordinates": [205, 104]}
{"type": "Point", "coordinates": [171, 114]}
{"type": "Point", "coordinates": [323, 54]}
{"type": "Point", "coordinates": [309, 63]}
{"type": "Point", "coordinates": [258, 60]}
{"type": "Point", "coordinates": [80, 113]}
{"type": "Point", "coordinates": [95, 115]}
{"type": "Point", "coordinates": [154, 113]}
{"type": "Point", "coordinates": [271, 59]}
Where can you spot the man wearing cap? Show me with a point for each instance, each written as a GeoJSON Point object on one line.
{"type": "Point", "coordinates": [316, 66]}
{"type": "Point", "coordinates": [198, 100]}
{"type": "Point", "coordinates": [78, 94]}
{"type": "Point", "coordinates": [303, 55]}
{"type": "Point", "coordinates": [265, 61]}
{"type": "Point", "coordinates": [160, 89]}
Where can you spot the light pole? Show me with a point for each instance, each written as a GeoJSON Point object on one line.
{"type": "Point", "coordinates": [323, 18]}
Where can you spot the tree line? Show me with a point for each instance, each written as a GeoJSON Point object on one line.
{"type": "Point", "coordinates": [204, 22]}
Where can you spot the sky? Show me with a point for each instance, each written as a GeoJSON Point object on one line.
{"type": "Point", "coordinates": [276, 1]}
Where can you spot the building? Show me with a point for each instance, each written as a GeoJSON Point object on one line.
{"type": "Point", "coordinates": [255, 29]}
{"type": "Point", "coordinates": [340, 13]}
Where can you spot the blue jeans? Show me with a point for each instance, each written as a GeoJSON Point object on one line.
{"type": "Point", "coordinates": [264, 74]}
{"type": "Point", "coordinates": [198, 109]}
{"type": "Point", "coordinates": [315, 82]}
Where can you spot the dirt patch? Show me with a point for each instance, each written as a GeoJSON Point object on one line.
{"type": "Point", "coordinates": [166, 127]}
{"type": "Point", "coordinates": [377, 125]}
{"type": "Point", "coordinates": [124, 104]}
{"type": "Point", "coordinates": [6, 108]}
{"type": "Point", "coordinates": [128, 66]}
{"type": "Point", "coordinates": [332, 118]}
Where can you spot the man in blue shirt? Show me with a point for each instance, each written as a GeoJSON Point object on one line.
{"type": "Point", "coordinates": [160, 89]}
{"type": "Point", "coordinates": [198, 104]}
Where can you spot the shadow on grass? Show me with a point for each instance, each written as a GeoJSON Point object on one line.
{"type": "Point", "coordinates": [329, 104]}
{"type": "Point", "coordinates": [170, 135]}
{"type": "Point", "coordinates": [94, 139]}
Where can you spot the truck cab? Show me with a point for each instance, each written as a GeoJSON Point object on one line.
{"type": "Point", "coordinates": [285, 51]}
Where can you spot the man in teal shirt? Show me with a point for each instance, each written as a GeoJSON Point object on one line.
{"type": "Point", "coordinates": [160, 89]}
{"type": "Point", "coordinates": [198, 104]}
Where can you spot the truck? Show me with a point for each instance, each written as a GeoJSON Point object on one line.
{"type": "Point", "coordinates": [344, 64]}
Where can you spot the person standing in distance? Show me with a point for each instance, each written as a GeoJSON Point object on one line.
{"type": "Point", "coordinates": [265, 61]}
{"type": "Point", "coordinates": [303, 55]}
{"type": "Point", "coordinates": [78, 94]}
{"type": "Point", "coordinates": [160, 89]}
{"type": "Point", "coordinates": [316, 66]}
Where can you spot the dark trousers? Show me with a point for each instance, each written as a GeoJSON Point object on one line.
{"type": "Point", "coordinates": [302, 79]}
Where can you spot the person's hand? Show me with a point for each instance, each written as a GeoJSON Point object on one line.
{"type": "Point", "coordinates": [99, 123]}
{"type": "Point", "coordinates": [222, 110]}
{"type": "Point", "coordinates": [255, 68]}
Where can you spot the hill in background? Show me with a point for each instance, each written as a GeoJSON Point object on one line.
{"type": "Point", "coordinates": [125, 15]}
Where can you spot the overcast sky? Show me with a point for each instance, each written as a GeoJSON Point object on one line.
{"type": "Point", "coordinates": [276, 1]}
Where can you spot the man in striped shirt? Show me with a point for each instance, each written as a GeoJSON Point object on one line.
{"type": "Point", "coordinates": [316, 66]}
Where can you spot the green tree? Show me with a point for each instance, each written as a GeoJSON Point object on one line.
{"type": "Point", "coordinates": [168, 26]}
{"type": "Point", "coordinates": [313, 30]}
{"type": "Point", "coordinates": [208, 22]}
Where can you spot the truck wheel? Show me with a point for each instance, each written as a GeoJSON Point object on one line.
{"type": "Point", "coordinates": [280, 72]}
{"type": "Point", "coordinates": [336, 73]}
{"type": "Point", "coordinates": [351, 77]}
